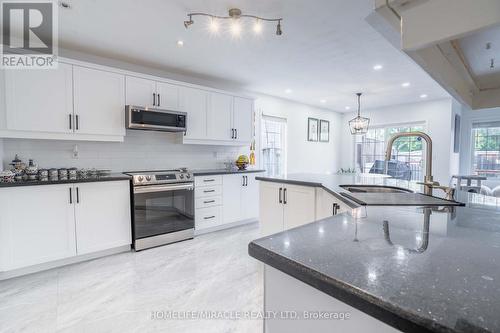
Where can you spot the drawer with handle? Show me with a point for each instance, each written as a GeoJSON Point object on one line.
{"type": "Point", "coordinates": [207, 180]}
{"type": "Point", "coordinates": [207, 191]}
{"type": "Point", "coordinates": [208, 217]}
{"type": "Point", "coordinates": [205, 202]}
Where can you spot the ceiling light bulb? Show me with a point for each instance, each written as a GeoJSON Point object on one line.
{"type": "Point", "coordinates": [405, 85]}
{"type": "Point", "coordinates": [235, 28]}
{"type": "Point", "coordinates": [180, 43]}
{"type": "Point", "coordinates": [378, 67]}
{"type": "Point", "coordinates": [288, 91]}
{"type": "Point", "coordinates": [423, 96]}
{"type": "Point", "coordinates": [323, 101]}
{"type": "Point", "coordinates": [214, 25]}
{"type": "Point", "coordinates": [257, 27]}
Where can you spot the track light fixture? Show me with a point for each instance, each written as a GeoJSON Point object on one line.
{"type": "Point", "coordinates": [236, 14]}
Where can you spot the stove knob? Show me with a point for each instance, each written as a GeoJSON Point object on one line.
{"type": "Point", "coordinates": [181, 176]}
{"type": "Point", "coordinates": [140, 178]}
{"type": "Point", "coordinates": [148, 178]}
{"type": "Point", "coordinates": [188, 176]}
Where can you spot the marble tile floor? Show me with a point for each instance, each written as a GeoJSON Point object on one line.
{"type": "Point", "coordinates": [118, 293]}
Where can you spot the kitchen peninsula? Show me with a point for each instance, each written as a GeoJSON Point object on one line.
{"type": "Point", "coordinates": [385, 268]}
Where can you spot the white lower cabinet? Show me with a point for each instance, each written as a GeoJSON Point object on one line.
{"type": "Point", "coordinates": [37, 225]}
{"type": "Point", "coordinates": [328, 205]}
{"type": "Point", "coordinates": [285, 206]}
{"type": "Point", "coordinates": [40, 224]}
{"type": "Point", "coordinates": [100, 223]}
{"type": "Point", "coordinates": [225, 199]}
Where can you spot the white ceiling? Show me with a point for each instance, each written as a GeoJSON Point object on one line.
{"type": "Point", "coordinates": [327, 50]}
{"type": "Point", "coordinates": [479, 58]}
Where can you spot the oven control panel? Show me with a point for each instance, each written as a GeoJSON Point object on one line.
{"type": "Point", "coordinates": [162, 178]}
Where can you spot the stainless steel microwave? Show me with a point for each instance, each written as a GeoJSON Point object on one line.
{"type": "Point", "coordinates": [143, 118]}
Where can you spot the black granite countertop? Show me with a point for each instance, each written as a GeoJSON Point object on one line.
{"type": "Point", "coordinates": [416, 269]}
{"type": "Point", "coordinates": [332, 182]}
{"type": "Point", "coordinates": [210, 172]}
{"type": "Point", "coordinates": [112, 177]}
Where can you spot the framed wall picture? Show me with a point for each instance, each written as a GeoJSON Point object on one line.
{"type": "Point", "coordinates": [324, 130]}
{"type": "Point", "coordinates": [312, 129]}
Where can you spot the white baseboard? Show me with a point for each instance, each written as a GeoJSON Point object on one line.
{"type": "Point", "coordinates": [224, 226]}
{"type": "Point", "coordinates": [63, 262]}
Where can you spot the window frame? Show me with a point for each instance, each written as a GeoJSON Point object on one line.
{"type": "Point", "coordinates": [391, 125]}
{"type": "Point", "coordinates": [283, 139]}
{"type": "Point", "coordinates": [472, 147]}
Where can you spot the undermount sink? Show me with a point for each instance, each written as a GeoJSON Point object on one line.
{"type": "Point", "coordinates": [374, 189]}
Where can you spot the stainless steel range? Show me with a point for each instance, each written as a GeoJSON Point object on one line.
{"type": "Point", "coordinates": [163, 207]}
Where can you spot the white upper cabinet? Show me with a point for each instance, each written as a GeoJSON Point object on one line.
{"type": "Point", "coordinates": [167, 96]}
{"type": "Point", "coordinates": [150, 93]}
{"type": "Point", "coordinates": [220, 117]}
{"type": "Point", "coordinates": [99, 224]}
{"type": "Point", "coordinates": [194, 102]}
{"type": "Point", "coordinates": [99, 102]}
{"type": "Point", "coordinates": [243, 119]}
{"type": "Point", "coordinates": [140, 92]}
{"type": "Point", "coordinates": [40, 100]}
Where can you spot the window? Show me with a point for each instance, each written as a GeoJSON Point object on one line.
{"type": "Point", "coordinates": [486, 149]}
{"type": "Point", "coordinates": [273, 142]}
{"type": "Point", "coordinates": [407, 152]}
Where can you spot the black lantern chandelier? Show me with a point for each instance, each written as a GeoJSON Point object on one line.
{"type": "Point", "coordinates": [359, 125]}
{"type": "Point", "coordinates": [235, 15]}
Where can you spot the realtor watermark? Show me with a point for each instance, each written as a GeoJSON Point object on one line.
{"type": "Point", "coordinates": [249, 315]}
{"type": "Point", "coordinates": [29, 34]}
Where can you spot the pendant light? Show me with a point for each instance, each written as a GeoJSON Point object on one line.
{"type": "Point", "coordinates": [359, 125]}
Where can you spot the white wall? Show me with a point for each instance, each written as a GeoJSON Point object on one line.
{"type": "Point", "coordinates": [468, 118]}
{"type": "Point", "coordinates": [141, 150]}
{"type": "Point", "coordinates": [302, 155]}
{"type": "Point", "coordinates": [1, 154]}
{"type": "Point", "coordinates": [437, 116]}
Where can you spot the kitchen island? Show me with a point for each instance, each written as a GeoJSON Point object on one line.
{"type": "Point", "coordinates": [390, 269]}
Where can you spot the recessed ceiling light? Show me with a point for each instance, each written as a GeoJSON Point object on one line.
{"type": "Point", "coordinates": [347, 107]}
{"type": "Point", "coordinates": [288, 91]}
{"type": "Point", "coordinates": [405, 84]}
{"type": "Point", "coordinates": [378, 67]}
{"type": "Point", "coordinates": [323, 101]}
{"type": "Point", "coordinates": [423, 96]}
{"type": "Point", "coordinates": [180, 43]}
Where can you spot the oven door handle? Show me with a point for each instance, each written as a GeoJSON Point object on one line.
{"type": "Point", "coordinates": [162, 188]}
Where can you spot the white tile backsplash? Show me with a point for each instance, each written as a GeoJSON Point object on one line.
{"type": "Point", "coordinates": [141, 150]}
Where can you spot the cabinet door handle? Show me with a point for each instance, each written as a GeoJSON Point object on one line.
{"type": "Point", "coordinates": [77, 127]}
{"type": "Point", "coordinates": [284, 196]}
{"type": "Point", "coordinates": [70, 196]}
{"type": "Point", "coordinates": [208, 180]}
{"type": "Point", "coordinates": [208, 191]}
{"type": "Point", "coordinates": [209, 201]}
{"type": "Point", "coordinates": [154, 99]}
{"type": "Point", "coordinates": [335, 208]}
{"type": "Point", "coordinates": [159, 100]}
{"type": "Point", "coordinates": [209, 217]}
{"type": "Point", "coordinates": [246, 180]}
{"type": "Point", "coordinates": [236, 133]}
{"type": "Point", "coordinates": [70, 121]}
{"type": "Point", "coordinates": [77, 195]}
{"type": "Point", "coordinates": [232, 133]}
{"type": "Point", "coordinates": [281, 190]}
